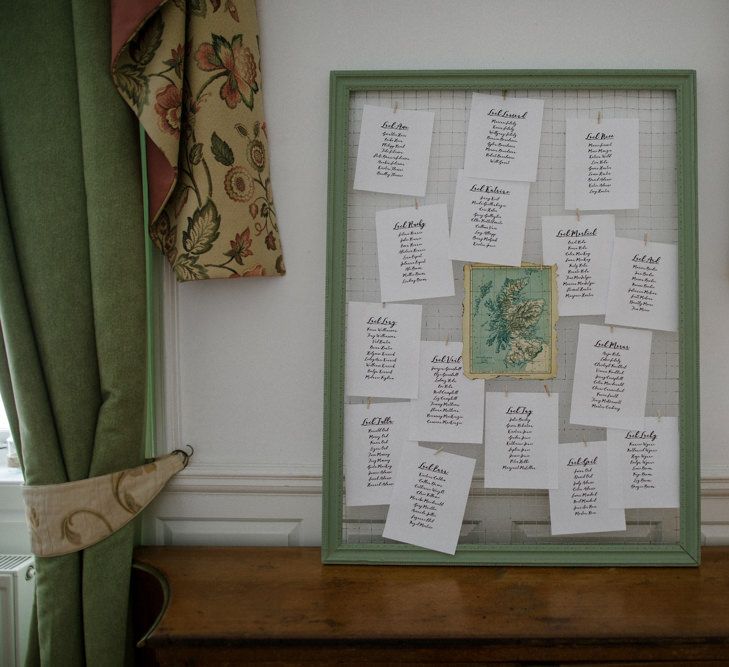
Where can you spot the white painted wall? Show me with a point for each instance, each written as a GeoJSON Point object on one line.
{"type": "Point", "coordinates": [252, 350]}
{"type": "Point", "coordinates": [244, 359]}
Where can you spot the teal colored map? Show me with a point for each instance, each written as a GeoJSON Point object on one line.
{"type": "Point", "coordinates": [509, 321]}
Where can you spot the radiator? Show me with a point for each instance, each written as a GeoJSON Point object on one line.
{"type": "Point", "coordinates": [16, 604]}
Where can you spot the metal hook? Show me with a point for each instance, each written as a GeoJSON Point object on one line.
{"type": "Point", "coordinates": [185, 454]}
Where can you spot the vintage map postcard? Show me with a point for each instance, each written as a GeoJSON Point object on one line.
{"type": "Point", "coordinates": [509, 319]}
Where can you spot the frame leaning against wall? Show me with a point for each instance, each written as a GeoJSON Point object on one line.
{"type": "Point", "coordinates": [378, 87]}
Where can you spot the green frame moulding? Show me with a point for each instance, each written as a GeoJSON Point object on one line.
{"type": "Point", "coordinates": [150, 418]}
{"type": "Point", "coordinates": [687, 550]}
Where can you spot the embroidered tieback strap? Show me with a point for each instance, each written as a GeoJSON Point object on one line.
{"type": "Point", "coordinates": [64, 518]}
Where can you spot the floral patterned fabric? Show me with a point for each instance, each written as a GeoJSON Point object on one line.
{"type": "Point", "coordinates": [192, 74]}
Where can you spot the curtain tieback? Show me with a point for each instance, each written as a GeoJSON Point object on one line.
{"type": "Point", "coordinates": [68, 517]}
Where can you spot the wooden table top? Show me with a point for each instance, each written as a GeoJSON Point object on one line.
{"type": "Point", "coordinates": [237, 596]}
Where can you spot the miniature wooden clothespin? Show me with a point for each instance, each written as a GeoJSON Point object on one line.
{"type": "Point", "coordinates": [612, 329]}
{"type": "Point", "coordinates": [577, 212]}
{"type": "Point", "coordinates": [394, 109]}
{"type": "Point", "coordinates": [417, 206]}
{"type": "Point", "coordinates": [599, 117]}
{"type": "Point", "coordinates": [546, 390]}
{"type": "Point", "coordinates": [645, 240]}
{"type": "Point", "coordinates": [659, 416]}
{"type": "Point", "coordinates": [506, 390]}
{"type": "Point", "coordinates": [584, 441]}
{"type": "Point", "coordinates": [439, 450]}
{"type": "Point", "coordinates": [369, 402]}
{"type": "Point", "coordinates": [503, 92]}
{"type": "Point", "coordinates": [448, 339]}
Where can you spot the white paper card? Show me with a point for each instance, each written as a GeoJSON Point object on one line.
{"type": "Point", "coordinates": [394, 149]}
{"type": "Point", "coordinates": [489, 218]}
{"type": "Point", "coordinates": [581, 250]}
{"type": "Point", "coordinates": [373, 439]}
{"type": "Point", "coordinates": [503, 137]}
{"type": "Point", "coordinates": [644, 464]}
{"type": "Point", "coordinates": [429, 498]}
{"type": "Point", "coordinates": [383, 349]}
{"type": "Point", "coordinates": [449, 407]}
{"type": "Point", "coordinates": [580, 504]}
{"type": "Point", "coordinates": [611, 376]}
{"type": "Point", "coordinates": [412, 253]}
{"type": "Point", "coordinates": [643, 285]}
{"type": "Point", "coordinates": [521, 441]}
{"type": "Point", "coordinates": [601, 164]}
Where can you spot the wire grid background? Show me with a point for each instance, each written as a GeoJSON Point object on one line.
{"type": "Point", "coordinates": [514, 516]}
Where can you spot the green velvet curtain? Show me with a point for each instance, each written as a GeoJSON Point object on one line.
{"type": "Point", "coordinates": [72, 300]}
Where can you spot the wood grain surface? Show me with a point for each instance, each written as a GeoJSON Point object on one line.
{"type": "Point", "coordinates": [282, 605]}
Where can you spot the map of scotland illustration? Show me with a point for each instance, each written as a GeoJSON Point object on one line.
{"type": "Point", "coordinates": [509, 319]}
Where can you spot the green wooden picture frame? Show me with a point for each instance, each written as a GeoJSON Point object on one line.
{"type": "Point", "coordinates": [682, 83]}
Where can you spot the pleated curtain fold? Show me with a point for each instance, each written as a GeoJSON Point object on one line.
{"type": "Point", "coordinates": [72, 300]}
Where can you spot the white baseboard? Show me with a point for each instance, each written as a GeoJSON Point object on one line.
{"type": "Point", "coordinates": [307, 478]}
{"type": "Point", "coordinates": [278, 505]}
{"type": "Point", "coordinates": [715, 505]}
{"type": "Point", "coordinates": [206, 478]}
{"type": "Point", "coordinates": [274, 505]}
